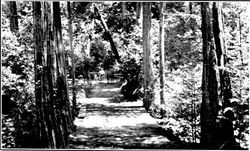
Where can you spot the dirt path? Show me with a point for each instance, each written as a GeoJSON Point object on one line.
{"type": "Point", "coordinates": [107, 122]}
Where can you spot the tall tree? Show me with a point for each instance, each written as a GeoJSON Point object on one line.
{"type": "Point", "coordinates": [161, 52]}
{"type": "Point", "coordinates": [210, 81]}
{"type": "Point", "coordinates": [216, 117]}
{"type": "Point", "coordinates": [227, 140]}
{"type": "Point", "coordinates": [65, 116]}
{"type": "Point", "coordinates": [13, 16]}
{"type": "Point", "coordinates": [72, 58]}
{"type": "Point", "coordinates": [53, 114]}
{"type": "Point", "coordinates": [220, 45]}
{"type": "Point", "coordinates": [147, 55]}
{"type": "Point", "coordinates": [43, 133]}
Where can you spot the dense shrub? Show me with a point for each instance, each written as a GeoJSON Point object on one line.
{"type": "Point", "coordinates": [132, 80]}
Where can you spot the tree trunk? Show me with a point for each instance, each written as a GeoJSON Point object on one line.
{"type": "Point", "coordinates": [224, 87]}
{"type": "Point", "coordinates": [54, 115]}
{"type": "Point", "coordinates": [41, 85]}
{"type": "Point", "coordinates": [138, 10]}
{"type": "Point", "coordinates": [210, 81]}
{"type": "Point", "coordinates": [65, 119]}
{"type": "Point", "coordinates": [162, 55]}
{"type": "Point", "coordinates": [50, 61]}
{"type": "Point", "coordinates": [216, 121]}
{"type": "Point", "coordinates": [188, 6]}
{"type": "Point", "coordinates": [13, 17]}
{"type": "Point", "coordinates": [109, 36]}
{"type": "Point", "coordinates": [147, 55]}
{"type": "Point", "coordinates": [73, 60]}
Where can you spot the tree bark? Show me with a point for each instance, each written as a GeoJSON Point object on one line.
{"type": "Point", "coordinates": [65, 119]}
{"type": "Point", "coordinates": [107, 32]}
{"type": "Point", "coordinates": [53, 109]}
{"type": "Point", "coordinates": [210, 81]}
{"type": "Point", "coordinates": [219, 39]}
{"type": "Point", "coordinates": [216, 123]}
{"type": "Point", "coordinates": [41, 86]}
{"type": "Point", "coordinates": [38, 49]}
{"type": "Point", "coordinates": [72, 59]}
{"type": "Point", "coordinates": [13, 16]}
{"type": "Point", "coordinates": [224, 87]}
{"type": "Point", "coordinates": [147, 55]}
{"type": "Point", "coordinates": [162, 54]}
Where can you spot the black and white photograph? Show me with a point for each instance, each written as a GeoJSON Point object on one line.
{"type": "Point", "coordinates": [112, 75]}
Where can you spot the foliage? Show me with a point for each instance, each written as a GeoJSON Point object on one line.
{"type": "Point", "coordinates": [98, 51]}
{"type": "Point", "coordinates": [132, 78]}
{"type": "Point", "coordinates": [237, 33]}
{"type": "Point", "coordinates": [18, 78]}
{"type": "Point", "coordinates": [183, 74]}
{"type": "Point", "coordinates": [108, 62]}
{"type": "Point", "coordinates": [82, 66]}
{"type": "Point", "coordinates": [118, 21]}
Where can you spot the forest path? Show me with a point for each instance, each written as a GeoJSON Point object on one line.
{"type": "Point", "coordinates": [106, 121]}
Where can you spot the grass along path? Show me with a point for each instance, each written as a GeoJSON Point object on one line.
{"type": "Point", "coordinates": [106, 121]}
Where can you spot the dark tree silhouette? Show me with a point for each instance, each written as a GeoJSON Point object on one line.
{"type": "Point", "coordinates": [13, 16]}
{"type": "Point", "coordinates": [210, 81]}
{"type": "Point", "coordinates": [147, 55]}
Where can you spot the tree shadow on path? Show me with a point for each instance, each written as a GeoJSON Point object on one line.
{"type": "Point", "coordinates": [140, 136]}
{"type": "Point", "coordinates": [109, 123]}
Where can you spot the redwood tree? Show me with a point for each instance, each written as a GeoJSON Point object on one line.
{"type": "Point", "coordinates": [13, 16]}
{"type": "Point", "coordinates": [54, 116]}
{"type": "Point", "coordinates": [210, 81]}
{"type": "Point", "coordinates": [216, 118]}
{"type": "Point", "coordinates": [147, 55]}
{"type": "Point", "coordinates": [39, 83]}
{"type": "Point", "coordinates": [226, 132]}
{"type": "Point", "coordinates": [220, 47]}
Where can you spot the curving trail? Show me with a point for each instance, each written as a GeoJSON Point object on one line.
{"type": "Point", "coordinates": [106, 121]}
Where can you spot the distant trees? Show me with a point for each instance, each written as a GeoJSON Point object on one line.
{"type": "Point", "coordinates": [51, 90]}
